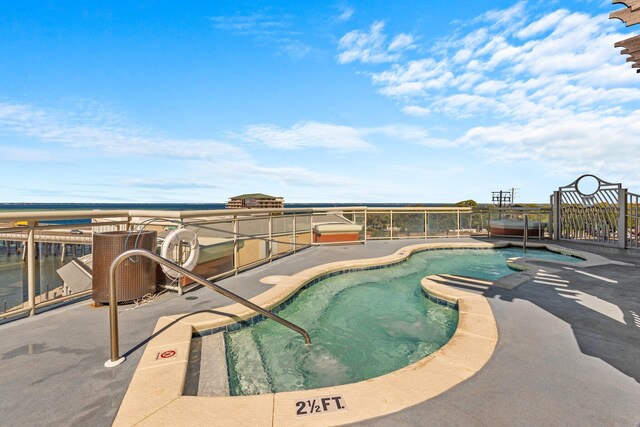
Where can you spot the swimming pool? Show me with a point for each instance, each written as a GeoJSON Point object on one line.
{"type": "Point", "coordinates": [363, 324]}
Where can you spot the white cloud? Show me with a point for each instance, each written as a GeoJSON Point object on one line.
{"type": "Point", "coordinates": [303, 177]}
{"type": "Point", "coordinates": [372, 46]}
{"type": "Point", "coordinates": [542, 25]}
{"type": "Point", "coordinates": [255, 24]}
{"type": "Point", "coordinates": [308, 135]}
{"type": "Point", "coordinates": [489, 87]}
{"type": "Point", "coordinates": [332, 137]}
{"type": "Point", "coordinates": [510, 17]}
{"type": "Point", "coordinates": [280, 31]}
{"type": "Point", "coordinates": [551, 88]}
{"type": "Point", "coordinates": [96, 131]}
{"type": "Point", "coordinates": [167, 184]}
{"type": "Point", "coordinates": [345, 14]}
{"type": "Point", "coordinates": [415, 110]}
{"type": "Point", "coordinates": [401, 42]}
{"type": "Point", "coordinates": [575, 143]}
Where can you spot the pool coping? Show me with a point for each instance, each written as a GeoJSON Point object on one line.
{"type": "Point", "coordinates": [154, 396]}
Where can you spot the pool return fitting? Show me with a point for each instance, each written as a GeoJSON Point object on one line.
{"type": "Point", "coordinates": [113, 301]}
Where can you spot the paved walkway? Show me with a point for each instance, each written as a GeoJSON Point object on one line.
{"type": "Point", "coordinates": [567, 353]}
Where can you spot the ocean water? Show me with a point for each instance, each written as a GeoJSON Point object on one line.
{"type": "Point", "coordinates": [13, 273]}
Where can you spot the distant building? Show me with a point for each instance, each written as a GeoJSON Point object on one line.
{"type": "Point", "coordinates": [257, 200]}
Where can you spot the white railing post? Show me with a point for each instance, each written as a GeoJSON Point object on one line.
{"type": "Point", "coordinates": [235, 244]}
{"type": "Point", "coordinates": [295, 233]}
{"type": "Point", "coordinates": [365, 225]}
{"type": "Point", "coordinates": [31, 268]}
{"type": "Point", "coordinates": [425, 224]}
{"type": "Point", "coordinates": [270, 243]}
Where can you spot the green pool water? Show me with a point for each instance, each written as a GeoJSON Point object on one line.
{"type": "Point", "coordinates": [362, 324]}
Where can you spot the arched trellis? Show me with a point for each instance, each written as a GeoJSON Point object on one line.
{"type": "Point", "coordinates": [592, 210]}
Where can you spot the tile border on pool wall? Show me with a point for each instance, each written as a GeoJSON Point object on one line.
{"type": "Point", "coordinates": [154, 396]}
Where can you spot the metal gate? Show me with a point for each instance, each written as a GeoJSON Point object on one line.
{"type": "Point", "coordinates": [592, 210]}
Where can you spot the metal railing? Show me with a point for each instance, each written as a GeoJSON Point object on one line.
{"type": "Point", "coordinates": [113, 299]}
{"type": "Point", "coordinates": [236, 239]}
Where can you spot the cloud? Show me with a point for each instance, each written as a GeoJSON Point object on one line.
{"type": "Point", "coordinates": [542, 25]}
{"type": "Point", "coordinates": [255, 24]}
{"type": "Point", "coordinates": [96, 131]}
{"type": "Point", "coordinates": [302, 177]}
{"type": "Point", "coordinates": [572, 143]}
{"type": "Point", "coordinates": [346, 13]}
{"type": "Point", "coordinates": [415, 110]}
{"type": "Point", "coordinates": [277, 30]}
{"type": "Point", "coordinates": [167, 184]}
{"type": "Point", "coordinates": [550, 88]}
{"type": "Point", "coordinates": [372, 46]}
{"type": "Point", "coordinates": [308, 135]}
{"type": "Point", "coordinates": [332, 137]}
{"type": "Point", "coordinates": [30, 155]}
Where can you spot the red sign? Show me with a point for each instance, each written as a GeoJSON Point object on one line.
{"type": "Point", "coordinates": [166, 354]}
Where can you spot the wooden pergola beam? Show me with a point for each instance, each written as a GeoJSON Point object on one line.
{"type": "Point", "coordinates": [632, 44]}
{"type": "Point", "coordinates": [629, 52]}
{"type": "Point", "coordinates": [630, 16]}
{"type": "Point", "coordinates": [627, 15]}
{"type": "Point", "coordinates": [632, 4]}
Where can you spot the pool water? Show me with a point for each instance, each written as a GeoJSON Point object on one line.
{"type": "Point", "coordinates": [362, 324]}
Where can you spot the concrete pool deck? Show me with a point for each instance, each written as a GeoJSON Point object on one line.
{"type": "Point", "coordinates": [567, 352]}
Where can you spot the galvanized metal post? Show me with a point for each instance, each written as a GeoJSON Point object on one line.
{"type": "Point", "coordinates": [557, 217]}
{"type": "Point", "coordinates": [391, 225]}
{"type": "Point", "coordinates": [622, 218]}
{"type": "Point", "coordinates": [458, 225]}
{"type": "Point", "coordinates": [31, 268]}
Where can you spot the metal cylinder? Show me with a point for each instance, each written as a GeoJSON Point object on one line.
{"type": "Point", "coordinates": [136, 276]}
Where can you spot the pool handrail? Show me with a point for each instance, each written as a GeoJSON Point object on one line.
{"type": "Point", "coordinates": [113, 300]}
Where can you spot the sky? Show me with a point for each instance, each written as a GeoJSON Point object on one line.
{"type": "Point", "coordinates": [314, 101]}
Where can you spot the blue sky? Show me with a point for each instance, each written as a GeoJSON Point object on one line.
{"type": "Point", "coordinates": [371, 101]}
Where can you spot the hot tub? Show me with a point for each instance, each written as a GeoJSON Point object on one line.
{"type": "Point", "coordinates": [336, 232]}
{"type": "Point", "coordinates": [514, 227]}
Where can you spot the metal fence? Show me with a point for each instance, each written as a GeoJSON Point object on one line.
{"type": "Point", "coordinates": [633, 220]}
{"type": "Point", "coordinates": [591, 210]}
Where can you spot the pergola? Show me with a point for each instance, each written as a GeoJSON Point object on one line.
{"type": "Point", "coordinates": [630, 16]}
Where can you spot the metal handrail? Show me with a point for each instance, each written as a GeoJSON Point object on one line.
{"type": "Point", "coordinates": [113, 300]}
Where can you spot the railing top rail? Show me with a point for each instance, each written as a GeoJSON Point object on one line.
{"type": "Point", "coordinates": [49, 215]}
{"type": "Point", "coordinates": [61, 214]}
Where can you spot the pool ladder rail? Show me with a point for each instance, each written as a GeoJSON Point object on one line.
{"type": "Point", "coordinates": [116, 359]}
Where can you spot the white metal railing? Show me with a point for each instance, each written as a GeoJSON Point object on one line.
{"type": "Point", "coordinates": [242, 238]}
